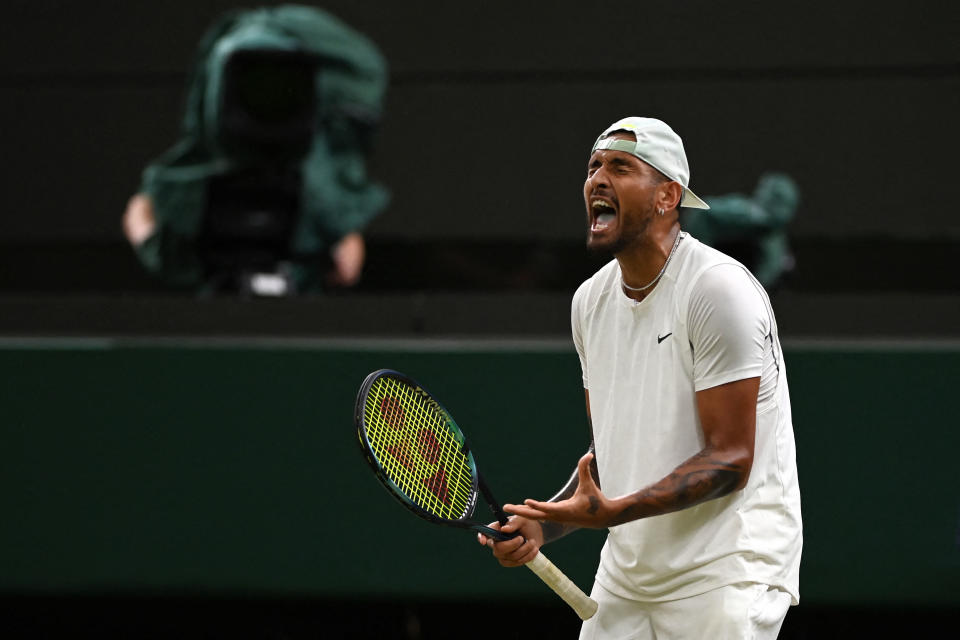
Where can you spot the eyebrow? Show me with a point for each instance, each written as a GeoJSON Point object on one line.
{"type": "Point", "coordinates": [619, 161]}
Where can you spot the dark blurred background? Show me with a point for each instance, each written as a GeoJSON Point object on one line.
{"type": "Point", "coordinates": [177, 466]}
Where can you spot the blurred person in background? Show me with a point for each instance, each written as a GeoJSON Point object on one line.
{"type": "Point", "coordinates": [267, 192]}
{"type": "Point", "coordinates": [752, 228]}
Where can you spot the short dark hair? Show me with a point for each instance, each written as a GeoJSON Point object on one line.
{"type": "Point", "coordinates": [658, 176]}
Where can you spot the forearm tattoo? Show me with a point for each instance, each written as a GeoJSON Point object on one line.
{"type": "Point", "coordinates": [703, 477]}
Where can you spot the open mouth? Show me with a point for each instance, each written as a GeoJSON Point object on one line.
{"type": "Point", "coordinates": [603, 213]}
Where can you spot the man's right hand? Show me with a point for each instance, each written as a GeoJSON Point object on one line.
{"type": "Point", "coordinates": [516, 551]}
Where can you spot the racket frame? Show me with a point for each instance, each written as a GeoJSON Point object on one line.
{"type": "Point", "coordinates": [584, 606]}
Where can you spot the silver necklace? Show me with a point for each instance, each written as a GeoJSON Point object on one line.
{"type": "Point", "coordinates": [659, 275]}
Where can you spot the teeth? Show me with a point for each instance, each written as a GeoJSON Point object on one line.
{"type": "Point", "coordinates": [600, 204]}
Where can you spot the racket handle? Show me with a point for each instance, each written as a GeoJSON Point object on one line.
{"type": "Point", "coordinates": [563, 586]}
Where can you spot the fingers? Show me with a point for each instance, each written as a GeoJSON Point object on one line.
{"type": "Point", "coordinates": [583, 470]}
{"type": "Point", "coordinates": [513, 525]}
{"type": "Point", "coordinates": [527, 552]}
{"type": "Point", "coordinates": [514, 552]}
{"type": "Point", "coordinates": [486, 540]}
{"type": "Point", "coordinates": [530, 509]}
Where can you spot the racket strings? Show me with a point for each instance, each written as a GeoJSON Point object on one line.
{"type": "Point", "coordinates": [413, 442]}
{"type": "Point", "coordinates": [412, 427]}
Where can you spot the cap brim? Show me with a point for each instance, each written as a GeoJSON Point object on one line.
{"type": "Point", "coordinates": [691, 200]}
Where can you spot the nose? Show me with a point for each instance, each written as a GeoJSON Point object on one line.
{"type": "Point", "coordinates": [597, 180]}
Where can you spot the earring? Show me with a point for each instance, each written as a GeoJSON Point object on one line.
{"type": "Point", "coordinates": [660, 211]}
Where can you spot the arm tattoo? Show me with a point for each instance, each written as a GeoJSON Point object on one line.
{"type": "Point", "coordinates": [594, 505]}
{"type": "Point", "coordinates": [553, 530]}
{"type": "Point", "coordinates": [703, 477]}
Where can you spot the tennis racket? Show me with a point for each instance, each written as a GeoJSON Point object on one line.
{"type": "Point", "coordinates": [422, 458]}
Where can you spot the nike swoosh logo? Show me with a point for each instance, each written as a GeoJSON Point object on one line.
{"type": "Point", "coordinates": [659, 339]}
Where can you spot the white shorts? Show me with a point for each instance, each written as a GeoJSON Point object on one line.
{"type": "Point", "coordinates": [745, 611]}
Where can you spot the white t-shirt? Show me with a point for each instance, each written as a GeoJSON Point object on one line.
{"type": "Point", "coordinates": [706, 323]}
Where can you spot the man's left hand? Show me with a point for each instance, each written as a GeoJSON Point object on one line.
{"type": "Point", "coordinates": [587, 507]}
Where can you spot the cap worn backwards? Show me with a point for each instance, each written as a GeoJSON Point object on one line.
{"type": "Point", "coordinates": [659, 146]}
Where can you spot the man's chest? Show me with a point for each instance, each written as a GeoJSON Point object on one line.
{"type": "Point", "coordinates": [630, 346]}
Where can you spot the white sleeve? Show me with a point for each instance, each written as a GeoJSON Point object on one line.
{"type": "Point", "coordinates": [575, 326]}
{"type": "Point", "coordinates": [728, 324]}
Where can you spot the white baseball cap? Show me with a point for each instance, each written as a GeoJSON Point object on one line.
{"type": "Point", "coordinates": [659, 146]}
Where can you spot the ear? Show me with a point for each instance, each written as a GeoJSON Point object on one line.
{"type": "Point", "coordinates": [669, 194]}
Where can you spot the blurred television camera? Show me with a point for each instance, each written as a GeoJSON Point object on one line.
{"type": "Point", "coordinates": [267, 191]}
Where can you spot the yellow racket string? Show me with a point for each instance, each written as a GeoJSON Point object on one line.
{"type": "Point", "coordinates": [410, 437]}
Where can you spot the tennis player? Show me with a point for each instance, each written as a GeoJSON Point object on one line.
{"type": "Point", "coordinates": [691, 465]}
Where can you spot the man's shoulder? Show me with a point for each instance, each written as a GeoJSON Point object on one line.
{"type": "Point", "coordinates": [701, 259]}
{"type": "Point", "coordinates": [712, 276]}
{"type": "Point", "coordinates": [702, 256]}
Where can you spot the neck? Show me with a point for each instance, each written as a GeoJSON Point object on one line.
{"type": "Point", "coordinates": [643, 262]}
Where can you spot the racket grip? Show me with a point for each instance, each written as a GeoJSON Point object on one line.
{"type": "Point", "coordinates": [563, 586]}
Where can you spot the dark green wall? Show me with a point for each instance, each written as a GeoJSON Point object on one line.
{"type": "Point", "coordinates": [235, 469]}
